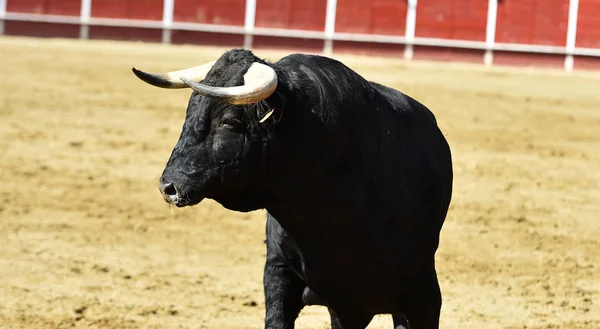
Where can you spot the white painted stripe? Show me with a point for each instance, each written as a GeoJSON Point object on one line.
{"type": "Point", "coordinates": [167, 22]}
{"type": "Point", "coordinates": [86, 10]}
{"type": "Point", "coordinates": [2, 14]}
{"type": "Point", "coordinates": [569, 62]}
{"type": "Point", "coordinates": [329, 26]}
{"type": "Point", "coordinates": [411, 26]}
{"type": "Point", "coordinates": [168, 11]}
{"type": "Point", "coordinates": [84, 17]}
{"type": "Point", "coordinates": [249, 23]}
{"type": "Point", "coordinates": [591, 52]}
{"type": "Point", "coordinates": [490, 32]}
{"type": "Point", "coordinates": [571, 34]}
{"type": "Point", "coordinates": [2, 8]}
{"type": "Point", "coordinates": [84, 31]}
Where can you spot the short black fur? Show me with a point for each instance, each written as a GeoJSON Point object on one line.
{"type": "Point", "coordinates": [356, 178]}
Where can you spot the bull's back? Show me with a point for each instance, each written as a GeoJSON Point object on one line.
{"type": "Point", "coordinates": [419, 160]}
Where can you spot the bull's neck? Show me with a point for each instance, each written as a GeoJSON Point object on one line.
{"type": "Point", "coordinates": [319, 170]}
{"type": "Point", "coordinates": [315, 204]}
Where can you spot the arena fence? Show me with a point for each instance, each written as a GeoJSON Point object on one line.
{"type": "Point", "coordinates": [563, 33]}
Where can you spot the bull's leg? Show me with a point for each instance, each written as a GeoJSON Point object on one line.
{"type": "Point", "coordinates": [335, 321]}
{"type": "Point", "coordinates": [352, 320]}
{"type": "Point", "coordinates": [310, 298]}
{"type": "Point", "coordinates": [400, 321]}
{"type": "Point", "coordinates": [425, 306]}
{"type": "Point", "coordinates": [283, 296]}
{"type": "Point", "coordinates": [283, 288]}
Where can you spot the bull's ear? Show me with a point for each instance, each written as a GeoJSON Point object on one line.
{"type": "Point", "coordinates": [278, 98]}
{"type": "Point", "coordinates": [266, 116]}
{"type": "Point", "coordinates": [276, 105]}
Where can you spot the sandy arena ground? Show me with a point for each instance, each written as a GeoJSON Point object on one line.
{"type": "Point", "coordinates": [86, 240]}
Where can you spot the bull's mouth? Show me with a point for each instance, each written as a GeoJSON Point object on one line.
{"type": "Point", "coordinates": [180, 203]}
{"type": "Point", "coordinates": [181, 200]}
{"type": "Point", "coordinates": [186, 195]}
{"type": "Point", "coordinates": [242, 201]}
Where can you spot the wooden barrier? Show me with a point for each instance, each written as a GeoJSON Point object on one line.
{"type": "Point", "coordinates": [550, 33]}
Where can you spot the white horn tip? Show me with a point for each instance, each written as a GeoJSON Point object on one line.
{"type": "Point", "coordinates": [157, 80]}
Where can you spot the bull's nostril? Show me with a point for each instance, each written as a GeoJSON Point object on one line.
{"type": "Point", "coordinates": [169, 189]}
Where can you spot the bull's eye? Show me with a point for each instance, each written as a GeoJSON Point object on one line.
{"type": "Point", "coordinates": [230, 123]}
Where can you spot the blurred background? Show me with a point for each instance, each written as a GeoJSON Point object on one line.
{"type": "Point", "coordinates": [555, 33]}
{"type": "Point", "coordinates": [86, 240]}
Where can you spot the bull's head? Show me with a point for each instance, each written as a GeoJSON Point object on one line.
{"type": "Point", "coordinates": [220, 151]}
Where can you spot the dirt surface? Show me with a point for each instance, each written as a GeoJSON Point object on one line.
{"type": "Point", "coordinates": [87, 241]}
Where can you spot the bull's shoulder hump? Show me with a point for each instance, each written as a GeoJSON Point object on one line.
{"type": "Point", "coordinates": [309, 60]}
{"type": "Point", "coordinates": [389, 93]}
{"type": "Point", "coordinates": [402, 102]}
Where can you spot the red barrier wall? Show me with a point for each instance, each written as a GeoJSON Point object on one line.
{"type": "Point", "coordinates": [376, 17]}
{"type": "Point", "coordinates": [588, 29]}
{"type": "Point", "coordinates": [385, 17]}
{"type": "Point", "coordinates": [536, 22]}
{"type": "Point", "coordinates": [41, 30]}
{"type": "Point", "coordinates": [291, 14]}
{"type": "Point", "coordinates": [49, 7]}
{"type": "Point", "coordinates": [452, 19]}
{"type": "Point", "coordinates": [527, 22]}
{"type": "Point", "coordinates": [224, 12]}
{"type": "Point", "coordinates": [149, 10]}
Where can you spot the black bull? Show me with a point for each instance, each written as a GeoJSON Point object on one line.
{"type": "Point", "coordinates": [356, 178]}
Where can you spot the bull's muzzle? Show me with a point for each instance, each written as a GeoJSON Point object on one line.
{"type": "Point", "coordinates": [169, 192]}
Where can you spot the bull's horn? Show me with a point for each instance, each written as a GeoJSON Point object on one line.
{"type": "Point", "coordinates": [172, 80]}
{"type": "Point", "coordinates": [260, 82]}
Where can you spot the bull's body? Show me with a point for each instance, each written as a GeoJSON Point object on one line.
{"type": "Point", "coordinates": [356, 178]}
{"type": "Point", "coordinates": [362, 222]}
